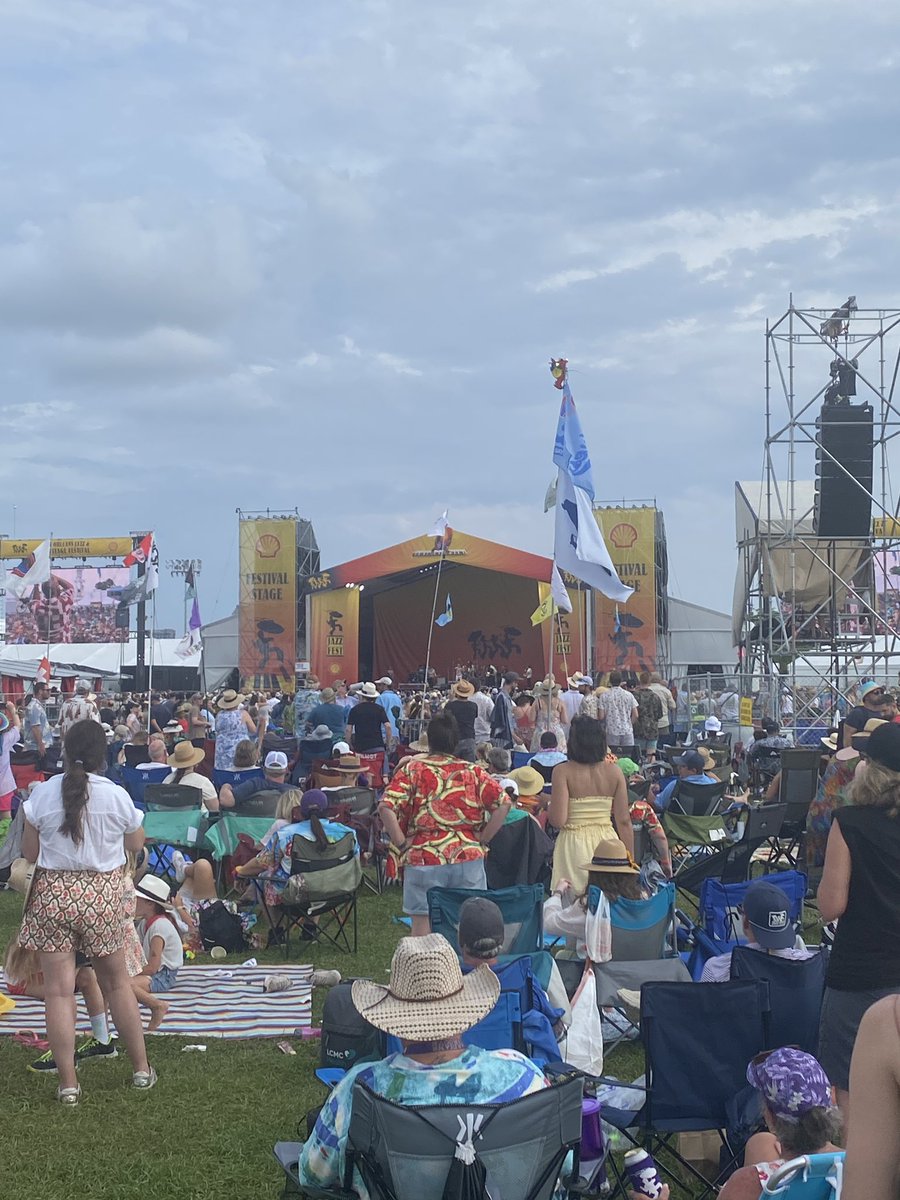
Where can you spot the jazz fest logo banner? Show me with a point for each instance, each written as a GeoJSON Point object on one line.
{"type": "Point", "coordinates": [268, 602]}
{"type": "Point", "coordinates": [334, 635]}
{"type": "Point", "coordinates": [569, 647]}
{"type": "Point", "coordinates": [625, 634]}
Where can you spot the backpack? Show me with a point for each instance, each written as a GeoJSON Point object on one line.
{"type": "Point", "coordinates": [219, 927]}
{"type": "Point", "coordinates": [347, 1037]}
{"type": "Point", "coordinates": [649, 713]}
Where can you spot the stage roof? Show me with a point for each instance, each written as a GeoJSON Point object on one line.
{"type": "Point", "coordinates": [463, 549]}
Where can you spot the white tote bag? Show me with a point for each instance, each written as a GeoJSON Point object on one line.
{"type": "Point", "coordinates": [584, 1044]}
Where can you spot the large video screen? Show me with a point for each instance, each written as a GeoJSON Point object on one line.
{"type": "Point", "coordinates": [75, 606]}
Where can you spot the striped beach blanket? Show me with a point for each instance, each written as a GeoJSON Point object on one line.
{"type": "Point", "coordinates": [225, 1001]}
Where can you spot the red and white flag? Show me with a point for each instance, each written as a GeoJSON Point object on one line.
{"type": "Point", "coordinates": [42, 675]}
{"type": "Point", "coordinates": [141, 553]}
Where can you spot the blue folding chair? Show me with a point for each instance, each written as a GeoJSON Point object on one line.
{"type": "Point", "coordinates": [501, 1029]}
{"type": "Point", "coordinates": [219, 777]}
{"type": "Point", "coordinates": [719, 905]}
{"type": "Point", "coordinates": [811, 1177]}
{"type": "Point", "coordinates": [796, 988]}
{"type": "Point", "coordinates": [522, 909]}
{"type": "Point", "coordinates": [134, 781]}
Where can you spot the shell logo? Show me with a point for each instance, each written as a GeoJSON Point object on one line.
{"type": "Point", "coordinates": [623, 536]}
{"type": "Point", "coordinates": [268, 545]}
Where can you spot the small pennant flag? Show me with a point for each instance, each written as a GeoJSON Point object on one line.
{"type": "Point", "coordinates": [446, 616]}
{"type": "Point", "coordinates": [42, 675]}
{"type": "Point", "coordinates": [556, 599]}
{"type": "Point", "coordinates": [439, 528]}
{"type": "Point", "coordinates": [190, 584]}
{"type": "Point", "coordinates": [33, 569]}
{"type": "Point", "coordinates": [145, 552]}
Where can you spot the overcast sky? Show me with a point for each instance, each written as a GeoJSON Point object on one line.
{"type": "Point", "coordinates": [318, 254]}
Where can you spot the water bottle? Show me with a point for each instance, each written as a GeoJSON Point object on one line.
{"type": "Point", "coordinates": [642, 1173]}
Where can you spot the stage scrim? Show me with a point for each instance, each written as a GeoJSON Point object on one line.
{"type": "Point", "coordinates": [267, 602]}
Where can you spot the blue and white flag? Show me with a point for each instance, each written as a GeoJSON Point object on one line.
{"type": "Point", "coordinates": [446, 616]}
{"type": "Point", "coordinates": [32, 570]}
{"type": "Point", "coordinates": [579, 547]}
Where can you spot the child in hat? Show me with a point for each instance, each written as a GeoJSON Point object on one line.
{"type": "Point", "coordinates": [161, 943]}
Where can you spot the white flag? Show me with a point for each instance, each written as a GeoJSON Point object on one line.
{"type": "Point", "coordinates": [579, 545]}
{"type": "Point", "coordinates": [439, 528]}
{"type": "Point", "coordinates": [558, 591]}
{"type": "Point", "coordinates": [189, 645]}
{"type": "Point", "coordinates": [33, 569]}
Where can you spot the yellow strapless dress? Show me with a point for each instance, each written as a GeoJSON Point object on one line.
{"type": "Point", "coordinates": [590, 822]}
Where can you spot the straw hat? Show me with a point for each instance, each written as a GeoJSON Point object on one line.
{"type": "Point", "coordinates": [369, 691]}
{"type": "Point", "coordinates": [185, 755]}
{"type": "Point", "coordinates": [230, 699]}
{"type": "Point", "coordinates": [462, 689]}
{"type": "Point", "coordinates": [860, 740]}
{"type": "Point", "coordinates": [151, 887]}
{"type": "Point", "coordinates": [529, 781]}
{"type": "Point", "coordinates": [21, 877]}
{"type": "Point", "coordinates": [312, 682]}
{"type": "Point", "coordinates": [327, 695]}
{"type": "Point", "coordinates": [420, 745]}
{"type": "Point", "coordinates": [543, 687]}
{"type": "Point", "coordinates": [611, 855]}
{"type": "Point", "coordinates": [349, 762]}
{"type": "Point", "coordinates": [428, 998]}
{"type": "Point", "coordinates": [709, 762]}
{"type": "Point", "coordinates": [830, 742]}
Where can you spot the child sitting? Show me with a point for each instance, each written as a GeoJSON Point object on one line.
{"type": "Point", "coordinates": [614, 872]}
{"type": "Point", "coordinates": [25, 978]}
{"type": "Point", "coordinates": [161, 943]}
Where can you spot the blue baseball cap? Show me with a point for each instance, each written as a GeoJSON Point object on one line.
{"type": "Point", "coordinates": [691, 758]}
{"type": "Point", "coordinates": [766, 908]}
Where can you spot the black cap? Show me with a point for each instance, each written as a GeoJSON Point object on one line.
{"type": "Point", "coordinates": [481, 930]}
{"type": "Point", "coordinates": [883, 746]}
{"type": "Point", "coordinates": [769, 725]}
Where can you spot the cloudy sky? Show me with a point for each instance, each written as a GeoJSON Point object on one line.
{"type": "Point", "coordinates": [318, 254]}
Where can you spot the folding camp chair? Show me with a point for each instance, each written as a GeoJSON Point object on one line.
{"type": "Point", "coordinates": [732, 864]}
{"type": "Point", "coordinates": [697, 1042]}
{"type": "Point", "coordinates": [332, 876]}
{"type": "Point", "coordinates": [764, 766]}
{"type": "Point", "coordinates": [695, 799]}
{"type": "Point", "coordinates": [719, 905]}
{"type": "Point", "coordinates": [221, 777]}
{"type": "Point", "coordinates": [522, 909]}
{"type": "Point", "coordinates": [520, 854]}
{"type": "Point", "coordinates": [811, 1177]}
{"type": "Point", "coordinates": [160, 796]}
{"type": "Point", "coordinates": [174, 820]}
{"type": "Point", "coordinates": [799, 783]}
{"type": "Point", "coordinates": [501, 1029]}
{"type": "Point", "coordinates": [261, 804]}
{"type": "Point", "coordinates": [405, 1152]}
{"type": "Point", "coordinates": [796, 988]}
{"type": "Point", "coordinates": [135, 781]}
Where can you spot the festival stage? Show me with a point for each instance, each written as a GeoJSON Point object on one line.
{"type": "Point", "coordinates": [372, 616]}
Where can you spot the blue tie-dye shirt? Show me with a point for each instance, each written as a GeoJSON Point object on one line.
{"type": "Point", "coordinates": [475, 1076]}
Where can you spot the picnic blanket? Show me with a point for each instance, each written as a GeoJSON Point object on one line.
{"type": "Point", "coordinates": [207, 1001]}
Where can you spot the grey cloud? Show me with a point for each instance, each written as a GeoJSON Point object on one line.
{"type": "Point", "coordinates": [159, 354]}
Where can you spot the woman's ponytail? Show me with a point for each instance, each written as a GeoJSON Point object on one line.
{"type": "Point", "coordinates": [84, 751]}
{"type": "Point", "coordinates": [318, 831]}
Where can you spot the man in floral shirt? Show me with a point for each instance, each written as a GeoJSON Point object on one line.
{"type": "Point", "coordinates": [440, 813]}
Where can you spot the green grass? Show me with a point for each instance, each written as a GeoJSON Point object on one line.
{"type": "Point", "coordinates": [205, 1132]}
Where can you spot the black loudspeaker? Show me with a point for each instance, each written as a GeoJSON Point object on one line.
{"type": "Point", "coordinates": [844, 432]}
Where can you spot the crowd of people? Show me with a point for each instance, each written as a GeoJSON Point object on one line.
{"type": "Point", "coordinates": [99, 923]}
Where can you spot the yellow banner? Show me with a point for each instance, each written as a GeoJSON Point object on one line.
{"type": "Point", "coordinates": [267, 603]}
{"type": "Point", "coordinates": [111, 547]}
{"type": "Point", "coordinates": [625, 634]}
{"type": "Point", "coordinates": [886, 527]}
{"type": "Point", "coordinates": [334, 635]}
{"type": "Point", "coordinates": [746, 713]}
{"type": "Point", "coordinates": [568, 629]}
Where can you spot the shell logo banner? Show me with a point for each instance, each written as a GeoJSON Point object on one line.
{"type": "Point", "coordinates": [267, 602]}
{"type": "Point", "coordinates": [625, 634]}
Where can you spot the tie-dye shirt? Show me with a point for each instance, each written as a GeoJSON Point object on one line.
{"type": "Point", "coordinates": [475, 1076]}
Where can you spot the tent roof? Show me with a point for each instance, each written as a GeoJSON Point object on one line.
{"type": "Point", "coordinates": [420, 552]}
{"type": "Point", "coordinates": [94, 659]}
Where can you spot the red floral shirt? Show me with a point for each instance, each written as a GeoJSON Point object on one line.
{"type": "Point", "coordinates": [442, 804]}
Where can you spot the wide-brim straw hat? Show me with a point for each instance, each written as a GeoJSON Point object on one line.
{"type": "Point", "coordinates": [230, 699]}
{"type": "Point", "coordinates": [709, 762]}
{"type": "Point", "coordinates": [185, 755]}
{"type": "Point", "coordinates": [529, 781]}
{"type": "Point", "coordinates": [151, 887]}
{"type": "Point", "coordinates": [542, 688]}
{"type": "Point", "coordinates": [420, 745]}
{"type": "Point", "coordinates": [348, 762]}
{"type": "Point", "coordinates": [612, 856]}
{"type": "Point", "coordinates": [369, 691]}
{"type": "Point", "coordinates": [830, 742]}
{"type": "Point", "coordinates": [428, 998]}
{"type": "Point", "coordinates": [462, 689]}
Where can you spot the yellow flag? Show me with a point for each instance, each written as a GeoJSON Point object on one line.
{"type": "Point", "coordinates": [546, 609]}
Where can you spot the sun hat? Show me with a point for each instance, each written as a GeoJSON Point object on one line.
{"type": "Point", "coordinates": [276, 760]}
{"type": "Point", "coordinates": [21, 877]}
{"type": "Point", "coordinates": [766, 909]}
{"type": "Point", "coordinates": [712, 725]}
{"type": "Point", "coordinates": [340, 748]}
{"type": "Point", "coordinates": [369, 690]}
{"type": "Point", "coordinates": [313, 800]}
{"type": "Point", "coordinates": [349, 762]}
{"type": "Point", "coordinates": [860, 740]}
{"type": "Point", "coordinates": [578, 680]}
{"type": "Point", "coordinates": [173, 727]}
{"type": "Point", "coordinates": [312, 682]}
{"type": "Point", "coordinates": [869, 686]}
{"type": "Point", "coordinates": [4, 722]}
{"type": "Point", "coordinates": [509, 785]}
{"type": "Point", "coordinates": [481, 931]}
{"type": "Point", "coordinates": [230, 699]}
{"type": "Point", "coordinates": [151, 887]}
{"type": "Point", "coordinates": [627, 766]}
{"type": "Point", "coordinates": [420, 745]}
{"type": "Point", "coordinates": [882, 745]}
{"type": "Point", "coordinates": [428, 998]}
{"type": "Point", "coordinates": [462, 689]}
{"type": "Point", "coordinates": [709, 763]}
{"type": "Point", "coordinates": [183, 708]}
{"type": "Point", "coordinates": [185, 755]}
{"type": "Point", "coordinates": [321, 732]}
{"type": "Point", "coordinates": [791, 1082]}
{"type": "Point", "coordinates": [529, 781]}
{"type": "Point", "coordinates": [612, 855]}
{"type": "Point", "coordinates": [327, 695]}
{"type": "Point", "coordinates": [830, 742]}
{"type": "Point", "coordinates": [691, 758]}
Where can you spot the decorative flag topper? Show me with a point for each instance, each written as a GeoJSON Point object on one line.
{"type": "Point", "coordinates": [559, 369]}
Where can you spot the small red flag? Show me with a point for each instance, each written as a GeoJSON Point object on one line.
{"type": "Point", "coordinates": [43, 671]}
{"type": "Point", "coordinates": [140, 554]}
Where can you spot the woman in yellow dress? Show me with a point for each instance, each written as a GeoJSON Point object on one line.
{"type": "Point", "coordinates": [589, 795]}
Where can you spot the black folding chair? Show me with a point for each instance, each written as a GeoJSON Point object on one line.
{"type": "Point", "coordinates": [160, 796]}
{"type": "Point", "coordinates": [263, 803]}
{"type": "Point", "coordinates": [799, 783]}
{"type": "Point", "coordinates": [406, 1152]}
{"type": "Point", "coordinates": [796, 988]}
{"type": "Point", "coordinates": [696, 799]}
{"type": "Point", "coordinates": [698, 1039]}
{"type": "Point", "coordinates": [332, 877]}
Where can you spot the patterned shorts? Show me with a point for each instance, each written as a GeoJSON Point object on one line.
{"type": "Point", "coordinates": [75, 910]}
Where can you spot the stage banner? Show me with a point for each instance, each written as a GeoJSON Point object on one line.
{"type": "Point", "coordinates": [334, 635]}
{"type": "Point", "coordinates": [625, 634]}
{"type": "Point", "coordinates": [570, 645]}
{"type": "Point", "coordinates": [267, 603]}
{"type": "Point", "coordinates": [111, 547]}
{"type": "Point", "coordinates": [491, 625]}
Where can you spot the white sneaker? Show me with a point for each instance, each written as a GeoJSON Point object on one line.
{"type": "Point", "coordinates": [178, 862]}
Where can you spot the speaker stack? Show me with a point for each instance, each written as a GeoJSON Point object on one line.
{"type": "Point", "coordinates": [844, 439]}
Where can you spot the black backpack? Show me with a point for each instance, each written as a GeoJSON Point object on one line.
{"type": "Point", "coordinates": [347, 1037]}
{"type": "Point", "coordinates": [219, 927]}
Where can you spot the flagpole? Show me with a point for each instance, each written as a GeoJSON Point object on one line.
{"type": "Point", "coordinates": [49, 581]}
{"type": "Point", "coordinates": [581, 646]}
{"type": "Point", "coordinates": [152, 656]}
{"type": "Point", "coordinates": [437, 584]}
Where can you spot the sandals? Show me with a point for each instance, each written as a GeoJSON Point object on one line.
{"type": "Point", "coordinates": [69, 1096]}
{"type": "Point", "coordinates": [30, 1040]}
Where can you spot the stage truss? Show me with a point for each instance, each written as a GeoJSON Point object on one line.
{"type": "Point", "coordinates": [815, 615]}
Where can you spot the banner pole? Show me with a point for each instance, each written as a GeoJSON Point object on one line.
{"type": "Point", "coordinates": [152, 656]}
{"type": "Point", "coordinates": [50, 560]}
{"type": "Point", "coordinates": [437, 584]}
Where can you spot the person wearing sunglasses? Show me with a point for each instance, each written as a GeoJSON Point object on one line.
{"type": "Point", "coordinates": [872, 698]}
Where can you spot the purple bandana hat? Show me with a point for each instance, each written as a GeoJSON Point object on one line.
{"type": "Point", "coordinates": [791, 1083]}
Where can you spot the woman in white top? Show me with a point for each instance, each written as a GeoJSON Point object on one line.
{"type": "Point", "coordinates": [78, 827]}
{"type": "Point", "coordinates": [183, 759]}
